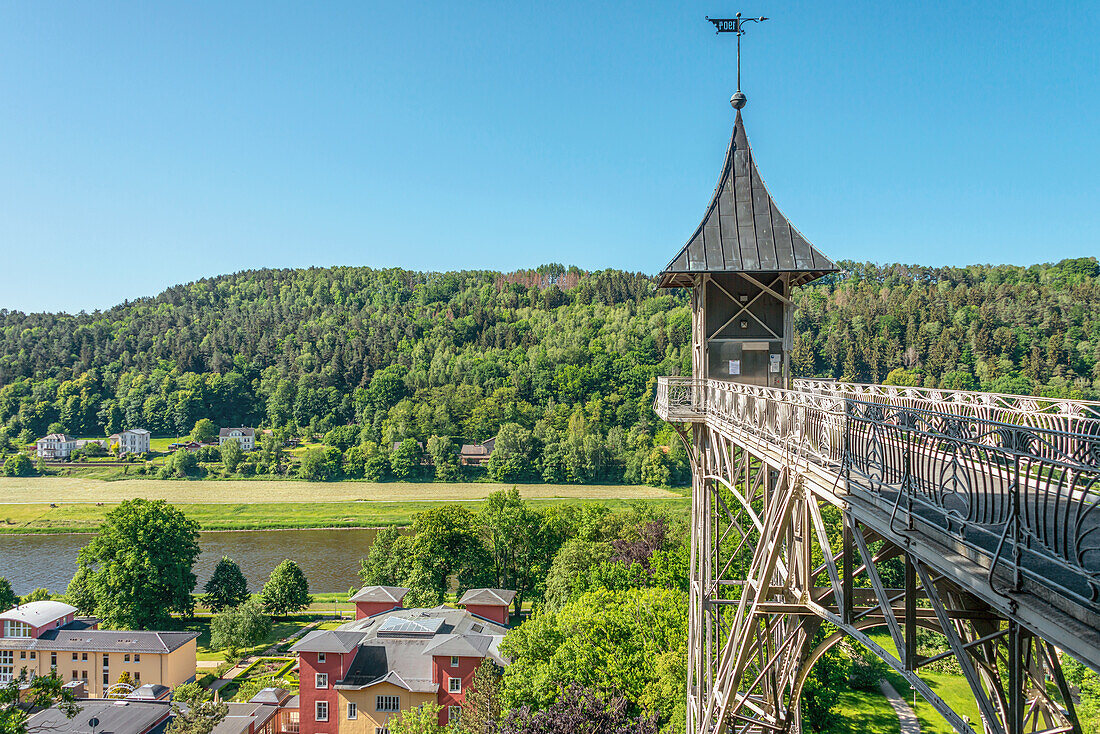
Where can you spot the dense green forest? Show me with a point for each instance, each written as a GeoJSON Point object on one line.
{"type": "Point", "coordinates": [565, 358]}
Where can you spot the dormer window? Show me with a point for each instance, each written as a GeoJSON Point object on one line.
{"type": "Point", "coordinates": [17, 629]}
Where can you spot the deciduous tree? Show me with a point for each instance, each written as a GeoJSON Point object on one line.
{"type": "Point", "coordinates": [8, 599]}
{"type": "Point", "coordinates": [236, 628]}
{"type": "Point", "coordinates": [204, 431]}
{"type": "Point", "coordinates": [286, 590]}
{"type": "Point", "coordinates": [227, 586]}
{"type": "Point", "coordinates": [139, 565]}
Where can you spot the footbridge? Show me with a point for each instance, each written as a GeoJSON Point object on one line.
{"type": "Point", "coordinates": [822, 511]}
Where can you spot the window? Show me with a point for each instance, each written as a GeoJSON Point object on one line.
{"type": "Point", "coordinates": [321, 713]}
{"type": "Point", "coordinates": [320, 657]}
{"type": "Point", "coordinates": [454, 661]}
{"type": "Point", "coordinates": [83, 656]}
{"type": "Point", "coordinates": [381, 730]}
{"type": "Point", "coordinates": [22, 654]}
{"type": "Point", "coordinates": [453, 713]}
{"type": "Point", "coordinates": [137, 677]}
{"type": "Point", "coordinates": [75, 676]}
{"type": "Point", "coordinates": [16, 629]}
{"type": "Point", "coordinates": [33, 654]}
{"type": "Point", "coordinates": [106, 680]}
{"type": "Point", "coordinates": [137, 657]}
{"type": "Point", "coordinates": [320, 680]}
{"type": "Point", "coordinates": [387, 703]}
{"type": "Point", "coordinates": [353, 711]}
{"type": "Point", "coordinates": [84, 676]}
{"type": "Point", "coordinates": [7, 665]}
{"type": "Point", "coordinates": [105, 661]}
{"type": "Point", "coordinates": [126, 658]}
{"type": "Point", "coordinates": [53, 660]}
{"type": "Point", "coordinates": [454, 685]}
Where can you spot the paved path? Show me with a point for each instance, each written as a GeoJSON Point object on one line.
{"type": "Point", "coordinates": [907, 719]}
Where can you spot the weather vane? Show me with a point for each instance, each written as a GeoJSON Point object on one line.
{"type": "Point", "coordinates": [735, 25]}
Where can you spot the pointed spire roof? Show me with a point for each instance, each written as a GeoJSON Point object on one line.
{"type": "Point", "coordinates": [743, 230]}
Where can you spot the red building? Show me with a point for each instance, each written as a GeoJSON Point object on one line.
{"type": "Point", "coordinates": [372, 600]}
{"type": "Point", "coordinates": [488, 603]}
{"type": "Point", "coordinates": [354, 679]}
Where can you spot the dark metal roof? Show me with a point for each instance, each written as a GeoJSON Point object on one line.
{"type": "Point", "coordinates": [743, 230]}
{"type": "Point", "coordinates": [89, 640]}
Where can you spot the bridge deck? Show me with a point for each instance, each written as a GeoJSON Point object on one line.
{"type": "Point", "coordinates": [1000, 493]}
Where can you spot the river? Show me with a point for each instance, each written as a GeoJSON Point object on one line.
{"type": "Point", "coordinates": [329, 558]}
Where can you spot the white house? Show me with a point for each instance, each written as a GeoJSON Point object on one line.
{"type": "Point", "coordinates": [246, 437]}
{"type": "Point", "coordinates": [55, 446]}
{"type": "Point", "coordinates": [130, 441]}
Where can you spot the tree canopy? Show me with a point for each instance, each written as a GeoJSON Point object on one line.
{"type": "Point", "coordinates": [286, 590]}
{"type": "Point", "coordinates": [227, 586]}
{"type": "Point", "coordinates": [138, 567]}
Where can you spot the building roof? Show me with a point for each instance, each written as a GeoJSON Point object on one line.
{"type": "Point", "coordinates": [39, 613]}
{"type": "Point", "coordinates": [271, 695]}
{"type": "Point", "coordinates": [149, 692]}
{"type": "Point", "coordinates": [743, 231]}
{"type": "Point", "coordinates": [488, 597]}
{"type": "Point", "coordinates": [327, 641]}
{"type": "Point", "coordinates": [243, 431]}
{"type": "Point", "coordinates": [63, 437]}
{"type": "Point", "coordinates": [102, 641]}
{"type": "Point", "coordinates": [138, 431]}
{"type": "Point", "coordinates": [242, 716]}
{"type": "Point", "coordinates": [398, 646]}
{"type": "Point", "coordinates": [115, 717]}
{"type": "Point", "coordinates": [382, 594]}
{"type": "Point", "coordinates": [411, 624]}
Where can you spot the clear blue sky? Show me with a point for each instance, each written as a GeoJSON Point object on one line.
{"type": "Point", "coordinates": [147, 144]}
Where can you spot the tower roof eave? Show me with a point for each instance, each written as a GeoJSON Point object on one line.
{"type": "Point", "coordinates": [743, 231]}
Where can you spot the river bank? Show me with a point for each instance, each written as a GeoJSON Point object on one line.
{"type": "Point", "coordinates": [78, 505]}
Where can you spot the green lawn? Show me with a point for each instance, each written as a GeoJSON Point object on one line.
{"type": "Point", "coordinates": [282, 628]}
{"type": "Point", "coordinates": [79, 504]}
{"type": "Point", "coordinates": [953, 689]}
{"type": "Point", "coordinates": [864, 713]}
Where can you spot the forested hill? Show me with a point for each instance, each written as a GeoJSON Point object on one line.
{"type": "Point", "coordinates": [410, 354]}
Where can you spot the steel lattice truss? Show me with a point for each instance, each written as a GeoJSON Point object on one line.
{"type": "Point", "coordinates": [818, 514]}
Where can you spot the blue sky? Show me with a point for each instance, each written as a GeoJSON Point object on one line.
{"type": "Point", "coordinates": [147, 144]}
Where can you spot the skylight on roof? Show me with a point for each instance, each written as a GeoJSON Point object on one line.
{"type": "Point", "coordinates": [420, 626]}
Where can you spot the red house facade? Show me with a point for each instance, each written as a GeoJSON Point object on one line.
{"type": "Point", "coordinates": [356, 679]}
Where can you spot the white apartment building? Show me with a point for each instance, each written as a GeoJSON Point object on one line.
{"type": "Point", "coordinates": [55, 446]}
{"type": "Point", "coordinates": [246, 437]}
{"type": "Point", "coordinates": [131, 441]}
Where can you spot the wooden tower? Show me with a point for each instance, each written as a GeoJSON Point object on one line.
{"type": "Point", "coordinates": [741, 263]}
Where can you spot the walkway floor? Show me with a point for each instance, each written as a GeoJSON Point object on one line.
{"type": "Point", "coordinates": [907, 718]}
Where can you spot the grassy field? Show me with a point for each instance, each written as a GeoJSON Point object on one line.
{"type": "Point", "coordinates": [69, 504]}
{"type": "Point", "coordinates": [953, 689]}
{"type": "Point", "coordinates": [59, 490]}
{"type": "Point", "coordinates": [864, 713]}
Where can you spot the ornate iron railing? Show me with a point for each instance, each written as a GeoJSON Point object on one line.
{"type": "Point", "coordinates": [1021, 493]}
{"type": "Point", "coordinates": [1057, 414]}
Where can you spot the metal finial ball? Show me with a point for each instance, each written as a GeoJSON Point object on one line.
{"type": "Point", "coordinates": [738, 100]}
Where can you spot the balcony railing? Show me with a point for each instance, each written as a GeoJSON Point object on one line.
{"type": "Point", "coordinates": [1017, 491]}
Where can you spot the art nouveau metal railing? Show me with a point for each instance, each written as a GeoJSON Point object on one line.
{"type": "Point", "coordinates": [1054, 414]}
{"type": "Point", "coordinates": [1024, 496]}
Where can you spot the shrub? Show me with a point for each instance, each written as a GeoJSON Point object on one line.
{"type": "Point", "coordinates": [18, 465]}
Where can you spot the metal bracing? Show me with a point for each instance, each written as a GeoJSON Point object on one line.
{"type": "Point", "coordinates": [816, 518]}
